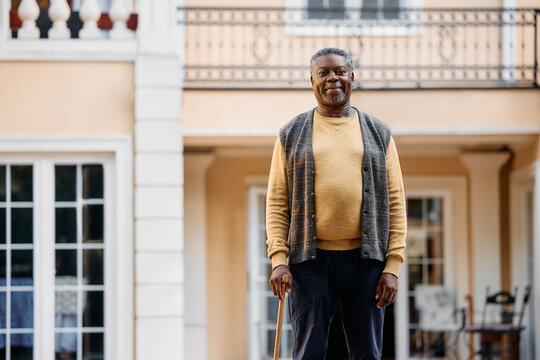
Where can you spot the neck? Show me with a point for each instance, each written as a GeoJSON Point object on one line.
{"type": "Point", "coordinates": [338, 112]}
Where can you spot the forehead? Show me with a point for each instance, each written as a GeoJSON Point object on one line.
{"type": "Point", "coordinates": [330, 60]}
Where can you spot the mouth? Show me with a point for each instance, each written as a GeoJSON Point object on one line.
{"type": "Point", "coordinates": [326, 88]}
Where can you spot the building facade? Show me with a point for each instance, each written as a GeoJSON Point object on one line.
{"type": "Point", "coordinates": [135, 146]}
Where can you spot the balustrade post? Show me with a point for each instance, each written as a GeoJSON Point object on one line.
{"type": "Point", "coordinates": [119, 14]}
{"type": "Point", "coordinates": [59, 12]}
{"type": "Point", "coordinates": [28, 12]}
{"type": "Point", "coordinates": [89, 14]}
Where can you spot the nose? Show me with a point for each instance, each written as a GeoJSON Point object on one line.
{"type": "Point", "coordinates": [333, 76]}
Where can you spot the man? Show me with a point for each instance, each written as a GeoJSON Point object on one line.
{"type": "Point", "coordinates": [336, 210]}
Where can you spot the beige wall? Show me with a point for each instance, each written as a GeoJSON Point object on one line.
{"type": "Point", "coordinates": [241, 112]}
{"type": "Point", "coordinates": [526, 156]}
{"type": "Point", "coordinates": [226, 254]}
{"type": "Point", "coordinates": [66, 98]}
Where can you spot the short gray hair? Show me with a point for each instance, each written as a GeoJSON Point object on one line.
{"type": "Point", "coordinates": [327, 51]}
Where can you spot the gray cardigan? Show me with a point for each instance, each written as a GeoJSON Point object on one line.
{"type": "Point", "coordinates": [295, 139]}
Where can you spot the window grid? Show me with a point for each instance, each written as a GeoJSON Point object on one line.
{"type": "Point", "coordinates": [426, 338]}
{"type": "Point", "coordinates": [79, 246]}
{"type": "Point", "coordinates": [8, 247]}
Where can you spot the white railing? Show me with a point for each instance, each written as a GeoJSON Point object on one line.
{"type": "Point", "coordinates": [59, 12]}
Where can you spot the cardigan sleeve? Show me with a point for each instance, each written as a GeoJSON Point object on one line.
{"type": "Point", "coordinates": [277, 209]}
{"type": "Point", "coordinates": [398, 217]}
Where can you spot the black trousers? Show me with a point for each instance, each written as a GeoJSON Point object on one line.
{"type": "Point", "coordinates": [336, 278]}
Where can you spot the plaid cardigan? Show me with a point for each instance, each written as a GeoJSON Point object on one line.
{"type": "Point", "coordinates": [295, 138]}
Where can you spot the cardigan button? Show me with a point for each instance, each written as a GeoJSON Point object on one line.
{"type": "Point", "coordinates": [313, 216]}
{"type": "Point", "coordinates": [312, 194]}
{"type": "Point", "coordinates": [314, 238]}
{"type": "Point", "coordinates": [313, 173]}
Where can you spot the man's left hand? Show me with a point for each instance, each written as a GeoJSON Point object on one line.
{"type": "Point", "coordinates": [386, 290]}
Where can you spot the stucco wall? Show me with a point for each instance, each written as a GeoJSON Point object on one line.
{"type": "Point", "coordinates": [526, 156]}
{"type": "Point", "coordinates": [415, 111]}
{"type": "Point", "coordinates": [66, 98]}
{"type": "Point", "coordinates": [226, 254]}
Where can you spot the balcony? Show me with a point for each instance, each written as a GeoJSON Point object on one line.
{"type": "Point", "coordinates": [270, 48]}
{"type": "Point", "coordinates": [67, 30]}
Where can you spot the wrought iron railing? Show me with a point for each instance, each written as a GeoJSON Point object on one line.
{"type": "Point", "coordinates": [266, 48]}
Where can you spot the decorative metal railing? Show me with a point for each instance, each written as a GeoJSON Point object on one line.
{"type": "Point", "coordinates": [267, 48]}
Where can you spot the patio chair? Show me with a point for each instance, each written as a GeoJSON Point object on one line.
{"type": "Point", "coordinates": [438, 314]}
{"type": "Point", "coordinates": [501, 317]}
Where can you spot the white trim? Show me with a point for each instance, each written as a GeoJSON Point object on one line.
{"type": "Point", "coordinates": [454, 191]}
{"type": "Point", "coordinates": [536, 255]}
{"type": "Point", "coordinates": [68, 50]}
{"type": "Point", "coordinates": [253, 310]}
{"type": "Point", "coordinates": [120, 233]}
{"type": "Point", "coordinates": [521, 184]}
{"type": "Point", "coordinates": [44, 272]}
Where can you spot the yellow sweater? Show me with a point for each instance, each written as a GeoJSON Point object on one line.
{"type": "Point", "coordinates": [338, 150]}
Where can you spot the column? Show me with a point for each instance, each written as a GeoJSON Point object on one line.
{"type": "Point", "coordinates": [159, 204]}
{"type": "Point", "coordinates": [484, 168]}
{"type": "Point", "coordinates": [195, 166]}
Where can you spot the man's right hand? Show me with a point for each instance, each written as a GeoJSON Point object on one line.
{"type": "Point", "coordinates": [275, 281]}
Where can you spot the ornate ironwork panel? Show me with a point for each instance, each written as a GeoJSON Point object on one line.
{"type": "Point", "coordinates": [403, 48]}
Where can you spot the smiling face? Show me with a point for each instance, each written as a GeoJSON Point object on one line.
{"type": "Point", "coordinates": [332, 80]}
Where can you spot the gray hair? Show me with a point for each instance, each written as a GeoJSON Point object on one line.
{"type": "Point", "coordinates": [327, 51]}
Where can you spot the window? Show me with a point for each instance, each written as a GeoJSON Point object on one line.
{"type": "Point", "coordinates": [17, 261]}
{"type": "Point", "coordinates": [64, 268]}
{"type": "Point", "coordinates": [79, 261]}
{"type": "Point", "coordinates": [380, 9]}
{"type": "Point", "coordinates": [426, 265]}
{"type": "Point", "coordinates": [262, 304]}
{"type": "Point", "coordinates": [369, 9]}
{"type": "Point", "coordinates": [352, 18]}
{"type": "Point", "coordinates": [326, 9]}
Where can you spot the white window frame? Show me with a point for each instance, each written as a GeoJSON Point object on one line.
{"type": "Point", "coordinates": [115, 153]}
{"type": "Point", "coordinates": [256, 188]}
{"type": "Point", "coordinates": [299, 25]}
{"type": "Point", "coordinates": [453, 190]}
{"type": "Point", "coordinates": [67, 50]}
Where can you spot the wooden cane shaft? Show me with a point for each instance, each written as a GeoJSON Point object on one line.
{"type": "Point", "coordinates": [279, 324]}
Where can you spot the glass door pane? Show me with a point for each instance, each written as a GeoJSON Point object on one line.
{"type": "Point", "coordinates": [79, 249]}
{"type": "Point", "coordinates": [425, 256]}
{"type": "Point", "coordinates": [16, 261]}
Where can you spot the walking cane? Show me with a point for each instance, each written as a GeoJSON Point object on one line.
{"type": "Point", "coordinates": [284, 281]}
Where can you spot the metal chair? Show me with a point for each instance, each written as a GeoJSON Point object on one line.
{"type": "Point", "coordinates": [498, 319]}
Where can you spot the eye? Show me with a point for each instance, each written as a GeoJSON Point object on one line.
{"type": "Point", "coordinates": [340, 72]}
{"type": "Point", "coordinates": [323, 72]}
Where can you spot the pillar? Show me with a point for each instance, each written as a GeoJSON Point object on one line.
{"type": "Point", "coordinates": [484, 204]}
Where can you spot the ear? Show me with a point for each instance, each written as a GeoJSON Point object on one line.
{"type": "Point", "coordinates": [352, 76]}
{"type": "Point", "coordinates": [311, 78]}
